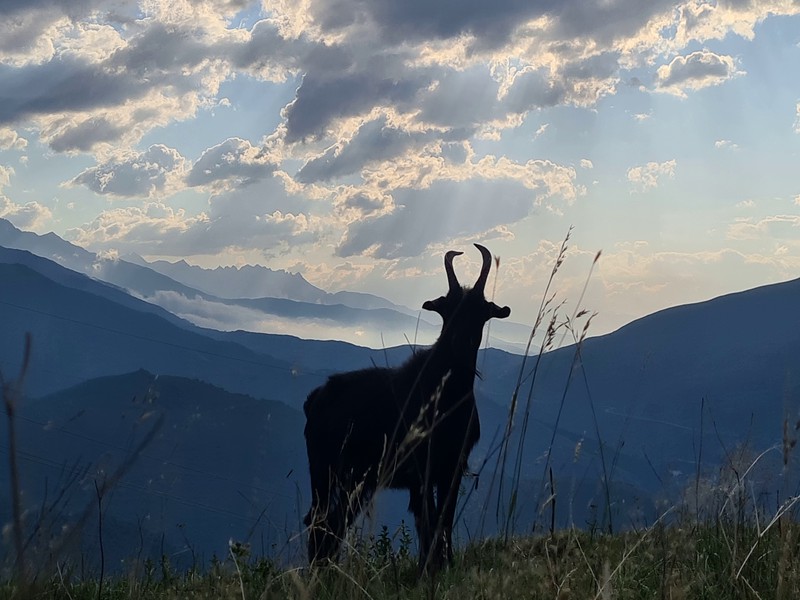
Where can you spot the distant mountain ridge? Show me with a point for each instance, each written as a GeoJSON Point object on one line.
{"type": "Point", "coordinates": [64, 309]}
{"type": "Point", "coordinates": [255, 281]}
{"type": "Point", "coordinates": [246, 282]}
{"type": "Point", "coordinates": [83, 332]}
{"type": "Point", "coordinates": [210, 298]}
{"type": "Point", "coordinates": [193, 474]}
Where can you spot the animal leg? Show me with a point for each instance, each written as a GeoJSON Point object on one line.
{"type": "Point", "coordinates": [447, 497]}
{"type": "Point", "coordinates": [422, 505]}
{"type": "Point", "coordinates": [326, 519]}
{"type": "Point", "coordinates": [319, 543]}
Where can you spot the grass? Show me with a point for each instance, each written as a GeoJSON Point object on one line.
{"type": "Point", "coordinates": [709, 561]}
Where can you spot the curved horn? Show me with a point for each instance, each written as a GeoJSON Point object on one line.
{"type": "Point", "coordinates": [480, 285]}
{"type": "Point", "coordinates": [452, 280]}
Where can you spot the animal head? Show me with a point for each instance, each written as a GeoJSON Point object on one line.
{"type": "Point", "coordinates": [465, 310]}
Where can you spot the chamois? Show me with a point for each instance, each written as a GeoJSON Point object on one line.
{"type": "Point", "coordinates": [408, 427]}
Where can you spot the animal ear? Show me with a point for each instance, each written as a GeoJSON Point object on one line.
{"type": "Point", "coordinates": [435, 305]}
{"type": "Point", "coordinates": [498, 312]}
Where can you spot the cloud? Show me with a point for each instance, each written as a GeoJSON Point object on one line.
{"type": "Point", "coordinates": [11, 140]}
{"type": "Point", "coordinates": [401, 56]}
{"type": "Point", "coordinates": [85, 135]}
{"type": "Point", "coordinates": [90, 83]}
{"type": "Point", "coordinates": [144, 229]}
{"type": "Point", "coordinates": [492, 24]}
{"type": "Point", "coordinates": [539, 132]}
{"type": "Point", "coordinates": [634, 279]}
{"type": "Point", "coordinates": [647, 177]}
{"type": "Point", "coordinates": [702, 21]}
{"type": "Point", "coordinates": [227, 317]}
{"type": "Point", "coordinates": [140, 174]}
{"type": "Point", "coordinates": [29, 31]}
{"type": "Point", "coordinates": [5, 176]}
{"type": "Point", "coordinates": [485, 26]}
{"type": "Point", "coordinates": [325, 95]}
{"type": "Point", "coordinates": [457, 207]}
{"type": "Point", "coordinates": [30, 215]}
{"type": "Point", "coordinates": [695, 71]}
{"type": "Point", "coordinates": [442, 212]}
{"type": "Point", "coordinates": [444, 102]}
{"type": "Point", "coordinates": [374, 142]}
{"type": "Point", "coordinates": [114, 76]}
{"type": "Point", "coordinates": [720, 144]}
{"type": "Point", "coordinates": [797, 118]}
{"type": "Point", "coordinates": [358, 203]}
{"type": "Point", "coordinates": [77, 105]}
{"type": "Point", "coordinates": [234, 161]}
{"type": "Point", "coordinates": [261, 216]}
{"type": "Point", "coordinates": [783, 227]}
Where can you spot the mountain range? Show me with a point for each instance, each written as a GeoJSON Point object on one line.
{"type": "Point", "coordinates": [252, 298]}
{"type": "Point", "coordinates": [645, 412]}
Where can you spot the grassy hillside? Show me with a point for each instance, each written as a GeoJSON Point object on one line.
{"type": "Point", "coordinates": [714, 560]}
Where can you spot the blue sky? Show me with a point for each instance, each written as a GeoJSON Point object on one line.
{"type": "Point", "coordinates": [355, 142]}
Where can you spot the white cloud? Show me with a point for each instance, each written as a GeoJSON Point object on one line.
{"type": "Point", "coordinates": [454, 205]}
{"type": "Point", "coordinates": [149, 226]}
{"type": "Point", "coordinates": [633, 280]}
{"type": "Point", "coordinates": [648, 176]}
{"type": "Point", "coordinates": [701, 21]}
{"type": "Point", "coordinates": [155, 172]}
{"type": "Point", "coordinates": [232, 162]}
{"type": "Point", "coordinates": [695, 71]}
{"type": "Point", "coordinates": [113, 72]}
{"type": "Point", "coordinates": [11, 140]}
{"type": "Point", "coordinates": [797, 118]}
{"type": "Point", "coordinates": [721, 144]}
{"type": "Point", "coordinates": [263, 216]}
{"type": "Point", "coordinates": [587, 164]}
{"type": "Point", "coordinates": [375, 141]}
{"type": "Point", "coordinates": [91, 82]}
{"type": "Point", "coordinates": [784, 227]}
{"type": "Point", "coordinates": [31, 215]}
{"type": "Point", "coordinates": [5, 176]}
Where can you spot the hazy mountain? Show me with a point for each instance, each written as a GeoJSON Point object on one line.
{"type": "Point", "coordinates": [732, 359]}
{"type": "Point", "coordinates": [48, 246]}
{"type": "Point", "coordinates": [81, 333]}
{"type": "Point", "coordinates": [84, 328]}
{"type": "Point", "coordinates": [210, 298]}
{"type": "Point", "coordinates": [271, 292]}
{"type": "Point", "coordinates": [218, 465]}
{"type": "Point", "coordinates": [78, 281]}
{"type": "Point", "coordinates": [256, 281]}
{"type": "Point", "coordinates": [140, 280]}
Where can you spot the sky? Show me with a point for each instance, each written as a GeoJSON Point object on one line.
{"type": "Point", "coordinates": [356, 141]}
